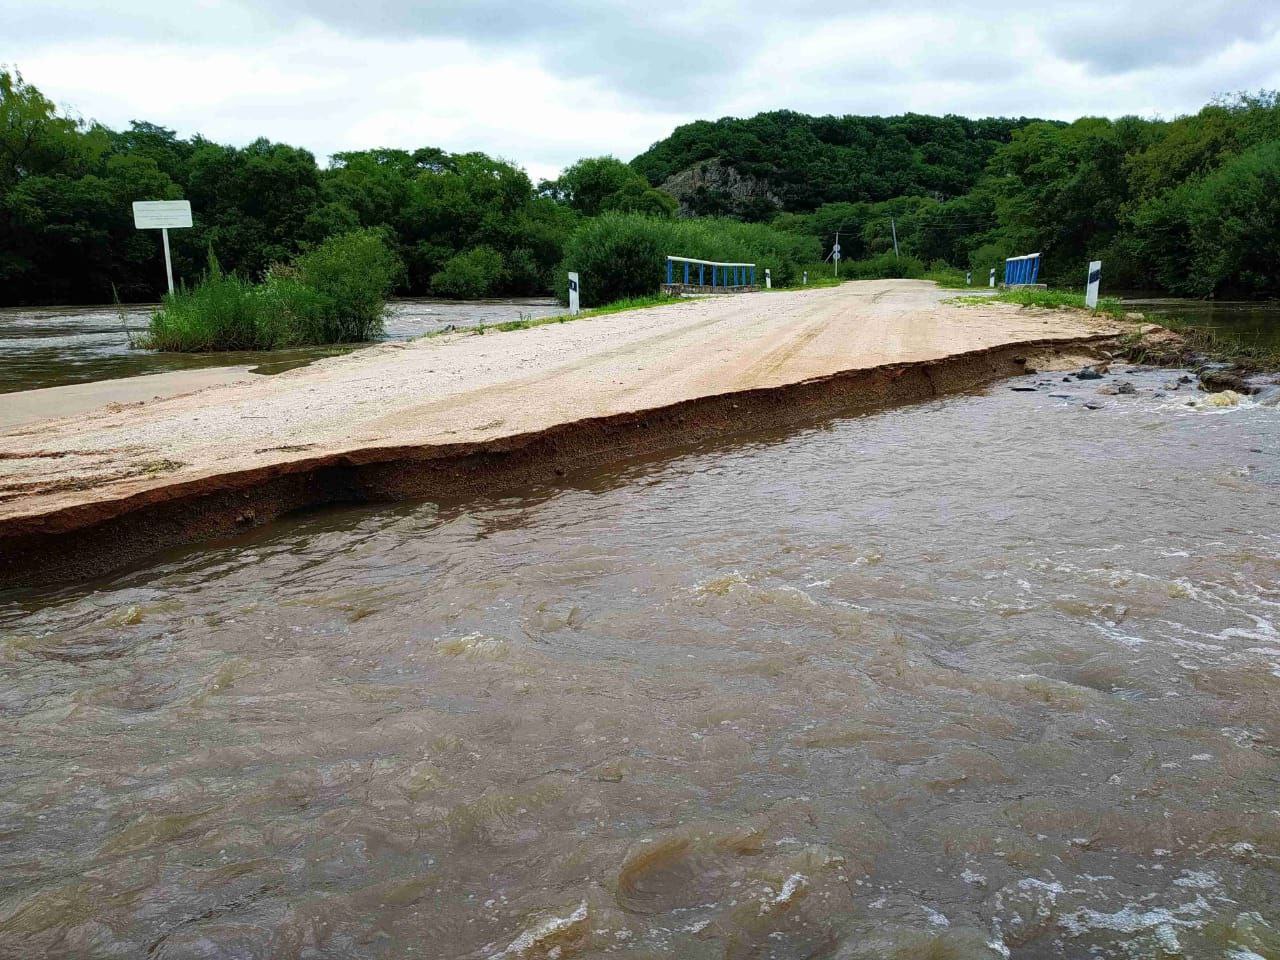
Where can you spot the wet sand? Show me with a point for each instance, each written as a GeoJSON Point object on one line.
{"type": "Point", "coordinates": [457, 397]}
{"type": "Point", "coordinates": [74, 400]}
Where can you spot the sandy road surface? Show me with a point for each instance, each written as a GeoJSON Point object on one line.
{"type": "Point", "coordinates": [477, 388]}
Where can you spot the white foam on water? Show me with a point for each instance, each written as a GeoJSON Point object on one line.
{"type": "Point", "coordinates": [1197, 879]}
{"type": "Point", "coordinates": [793, 885]}
{"type": "Point", "coordinates": [1135, 919]}
{"type": "Point", "coordinates": [521, 945]}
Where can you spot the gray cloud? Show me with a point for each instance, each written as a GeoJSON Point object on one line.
{"type": "Point", "coordinates": [1120, 38]}
{"type": "Point", "coordinates": [549, 80]}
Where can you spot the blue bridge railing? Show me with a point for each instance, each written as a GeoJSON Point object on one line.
{"type": "Point", "coordinates": [711, 274]}
{"type": "Point", "coordinates": [1021, 270]}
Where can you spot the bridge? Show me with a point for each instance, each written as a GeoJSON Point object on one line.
{"type": "Point", "coordinates": [1022, 271]}
{"type": "Point", "coordinates": [682, 277]}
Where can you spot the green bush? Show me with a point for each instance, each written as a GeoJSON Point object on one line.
{"type": "Point", "coordinates": [353, 272]}
{"type": "Point", "coordinates": [886, 266]}
{"type": "Point", "coordinates": [221, 313]}
{"type": "Point", "coordinates": [334, 294]}
{"type": "Point", "coordinates": [622, 255]}
{"type": "Point", "coordinates": [475, 273]}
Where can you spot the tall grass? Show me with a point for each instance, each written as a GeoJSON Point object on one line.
{"type": "Point", "coordinates": [622, 255]}
{"type": "Point", "coordinates": [222, 312]}
{"type": "Point", "coordinates": [1056, 299]}
{"type": "Point", "coordinates": [336, 293]}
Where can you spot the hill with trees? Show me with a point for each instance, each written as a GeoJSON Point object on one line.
{"type": "Point", "coordinates": [803, 162]}
{"type": "Point", "coordinates": [1189, 205]}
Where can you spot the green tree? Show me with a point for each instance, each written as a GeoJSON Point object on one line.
{"type": "Point", "coordinates": [1219, 234]}
{"type": "Point", "coordinates": [598, 185]}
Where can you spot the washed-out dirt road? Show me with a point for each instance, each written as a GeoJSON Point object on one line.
{"type": "Point", "coordinates": [463, 396]}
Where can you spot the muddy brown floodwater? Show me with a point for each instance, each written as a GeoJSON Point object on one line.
{"type": "Point", "coordinates": [993, 676]}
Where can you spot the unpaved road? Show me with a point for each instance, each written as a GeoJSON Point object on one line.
{"type": "Point", "coordinates": [469, 388]}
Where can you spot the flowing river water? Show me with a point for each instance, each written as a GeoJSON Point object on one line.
{"type": "Point", "coordinates": [54, 346]}
{"type": "Point", "coordinates": [993, 676]}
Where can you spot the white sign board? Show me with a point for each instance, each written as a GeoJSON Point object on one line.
{"type": "Point", "coordinates": [768, 279]}
{"type": "Point", "coordinates": [161, 214]}
{"type": "Point", "coordinates": [1095, 281]}
{"type": "Point", "coordinates": [573, 294]}
{"type": "Point", "coordinates": [991, 281]}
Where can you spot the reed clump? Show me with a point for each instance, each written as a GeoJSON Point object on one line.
{"type": "Point", "coordinates": [334, 293]}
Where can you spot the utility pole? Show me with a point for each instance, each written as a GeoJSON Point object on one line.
{"type": "Point", "coordinates": [893, 225]}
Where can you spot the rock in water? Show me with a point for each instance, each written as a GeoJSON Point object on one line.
{"type": "Point", "coordinates": [1088, 373]}
{"type": "Point", "coordinates": [1215, 381]}
{"type": "Point", "coordinates": [1126, 387]}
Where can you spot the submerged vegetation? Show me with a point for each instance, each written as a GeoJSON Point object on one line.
{"type": "Point", "coordinates": [335, 293]}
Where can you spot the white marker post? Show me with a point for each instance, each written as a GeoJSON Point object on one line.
{"type": "Point", "coordinates": [992, 281]}
{"type": "Point", "coordinates": [835, 254]}
{"type": "Point", "coordinates": [968, 278]}
{"type": "Point", "coordinates": [768, 279]}
{"type": "Point", "coordinates": [162, 215]}
{"type": "Point", "coordinates": [573, 295]}
{"type": "Point", "coordinates": [1095, 281]}
{"type": "Point", "coordinates": [806, 278]}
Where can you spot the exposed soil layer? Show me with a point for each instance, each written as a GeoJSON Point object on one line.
{"type": "Point", "coordinates": [82, 496]}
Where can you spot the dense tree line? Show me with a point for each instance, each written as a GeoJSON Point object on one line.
{"type": "Point", "coordinates": [1189, 205]}
{"type": "Point", "coordinates": [461, 224]}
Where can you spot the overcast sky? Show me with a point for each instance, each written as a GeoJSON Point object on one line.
{"type": "Point", "coordinates": [544, 82]}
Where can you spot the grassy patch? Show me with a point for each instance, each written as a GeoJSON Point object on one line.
{"type": "Point", "coordinates": [336, 293]}
{"type": "Point", "coordinates": [525, 323]}
{"type": "Point", "coordinates": [1047, 300]}
{"type": "Point", "coordinates": [618, 306]}
{"type": "Point", "coordinates": [949, 279]}
{"type": "Point", "coordinates": [820, 275]}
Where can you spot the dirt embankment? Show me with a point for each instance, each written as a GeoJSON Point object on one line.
{"type": "Point", "coordinates": [441, 416]}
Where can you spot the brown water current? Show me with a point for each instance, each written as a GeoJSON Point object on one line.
{"type": "Point", "coordinates": [995, 676]}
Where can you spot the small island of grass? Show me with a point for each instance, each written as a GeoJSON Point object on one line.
{"type": "Point", "coordinates": [334, 293]}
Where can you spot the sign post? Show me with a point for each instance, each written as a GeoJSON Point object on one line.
{"type": "Point", "coordinates": [991, 281]}
{"type": "Point", "coordinates": [806, 278]}
{"type": "Point", "coordinates": [162, 215]}
{"type": "Point", "coordinates": [768, 279]}
{"type": "Point", "coordinates": [573, 295]}
{"type": "Point", "coordinates": [1095, 281]}
{"type": "Point", "coordinates": [968, 278]}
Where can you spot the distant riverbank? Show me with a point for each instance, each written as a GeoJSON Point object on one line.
{"type": "Point", "coordinates": [55, 346]}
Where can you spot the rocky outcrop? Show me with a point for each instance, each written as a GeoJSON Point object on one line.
{"type": "Point", "coordinates": [713, 188]}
